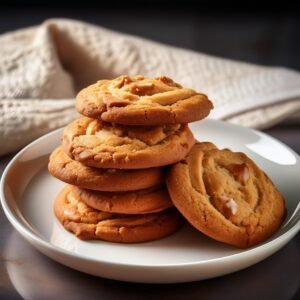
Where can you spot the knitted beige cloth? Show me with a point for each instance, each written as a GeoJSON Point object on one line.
{"type": "Point", "coordinates": [42, 68]}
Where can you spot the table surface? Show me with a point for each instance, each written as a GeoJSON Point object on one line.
{"type": "Point", "coordinates": [26, 273]}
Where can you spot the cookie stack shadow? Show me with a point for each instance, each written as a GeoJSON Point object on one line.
{"type": "Point", "coordinates": [114, 158]}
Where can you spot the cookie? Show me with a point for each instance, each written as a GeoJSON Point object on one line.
{"type": "Point", "coordinates": [87, 223]}
{"type": "Point", "coordinates": [113, 180]}
{"type": "Point", "coordinates": [226, 196]}
{"type": "Point", "coordinates": [104, 145]}
{"type": "Point", "coordinates": [142, 101]}
{"type": "Point", "coordinates": [136, 202]}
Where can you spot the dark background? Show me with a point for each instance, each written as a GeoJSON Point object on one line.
{"type": "Point", "coordinates": [255, 31]}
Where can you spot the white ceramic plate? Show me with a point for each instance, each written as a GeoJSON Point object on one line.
{"type": "Point", "coordinates": [28, 192]}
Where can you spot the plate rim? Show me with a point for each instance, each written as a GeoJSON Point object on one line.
{"type": "Point", "coordinates": [30, 236]}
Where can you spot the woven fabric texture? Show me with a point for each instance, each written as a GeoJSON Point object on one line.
{"type": "Point", "coordinates": [42, 68]}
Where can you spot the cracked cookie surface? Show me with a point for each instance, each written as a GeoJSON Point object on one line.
{"type": "Point", "coordinates": [87, 223]}
{"type": "Point", "coordinates": [104, 145]}
{"type": "Point", "coordinates": [135, 202]}
{"type": "Point", "coordinates": [142, 101]}
{"type": "Point", "coordinates": [113, 180]}
{"type": "Point", "coordinates": [226, 196]}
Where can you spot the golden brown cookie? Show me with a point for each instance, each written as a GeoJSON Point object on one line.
{"type": "Point", "coordinates": [113, 180]}
{"type": "Point", "coordinates": [135, 202]}
{"type": "Point", "coordinates": [142, 101]}
{"type": "Point", "coordinates": [226, 196]}
{"type": "Point", "coordinates": [104, 145]}
{"type": "Point", "coordinates": [87, 223]}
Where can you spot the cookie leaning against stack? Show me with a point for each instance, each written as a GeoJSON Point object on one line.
{"type": "Point", "coordinates": [114, 167]}
{"type": "Point", "coordinates": [226, 196]}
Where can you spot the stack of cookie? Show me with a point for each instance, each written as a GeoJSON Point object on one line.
{"type": "Point", "coordinates": [113, 158]}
